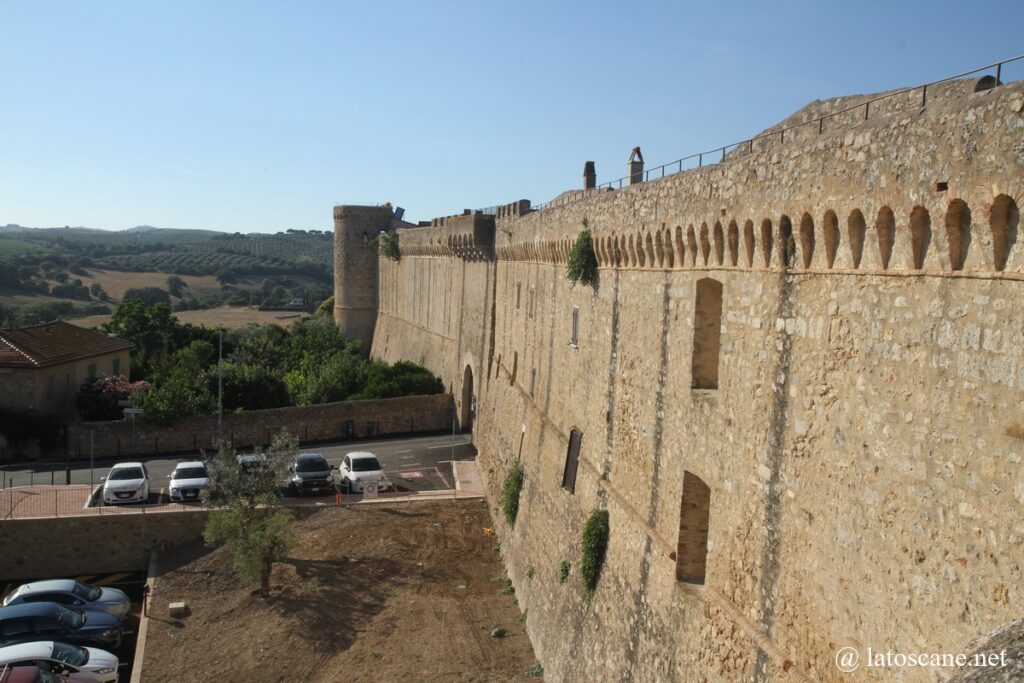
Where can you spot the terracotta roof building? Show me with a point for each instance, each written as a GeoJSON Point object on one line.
{"type": "Point", "coordinates": [43, 366]}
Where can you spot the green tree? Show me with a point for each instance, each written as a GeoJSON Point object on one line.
{"type": "Point", "coordinates": [401, 379]}
{"type": "Point", "coordinates": [341, 376]}
{"type": "Point", "coordinates": [176, 286]}
{"type": "Point", "coordinates": [226, 276]}
{"type": "Point", "coordinates": [252, 387]}
{"type": "Point", "coordinates": [147, 295]}
{"type": "Point", "coordinates": [250, 519]}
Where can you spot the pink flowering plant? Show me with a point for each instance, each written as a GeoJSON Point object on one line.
{"type": "Point", "coordinates": [98, 398]}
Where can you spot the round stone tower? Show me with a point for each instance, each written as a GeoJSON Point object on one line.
{"type": "Point", "coordinates": [355, 269]}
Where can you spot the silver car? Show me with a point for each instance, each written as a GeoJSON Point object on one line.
{"type": "Point", "coordinates": [188, 481]}
{"type": "Point", "coordinates": [71, 593]}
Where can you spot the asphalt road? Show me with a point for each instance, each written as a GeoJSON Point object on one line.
{"type": "Point", "coordinates": [426, 459]}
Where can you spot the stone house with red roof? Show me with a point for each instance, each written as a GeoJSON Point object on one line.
{"type": "Point", "coordinates": [42, 367]}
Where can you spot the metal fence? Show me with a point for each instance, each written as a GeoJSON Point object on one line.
{"type": "Point", "coordinates": [718, 155]}
{"type": "Point", "coordinates": [76, 500]}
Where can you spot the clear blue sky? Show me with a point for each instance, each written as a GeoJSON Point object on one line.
{"type": "Point", "coordinates": [258, 117]}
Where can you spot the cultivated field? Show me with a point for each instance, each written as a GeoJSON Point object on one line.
{"type": "Point", "coordinates": [117, 282]}
{"type": "Point", "coordinates": [228, 316]}
{"type": "Point", "coordinates": [368, 593]}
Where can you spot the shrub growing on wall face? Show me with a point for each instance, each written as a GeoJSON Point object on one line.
{"type": "Point", "coordinates": [595, 543]}
{"type": "Point", "coordinates": [583, 260]}
{"type": "Point", "coordinates": [510, 492]}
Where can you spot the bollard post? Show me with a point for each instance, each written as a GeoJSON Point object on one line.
{"type": "Point", "coordinates": [55, 503]}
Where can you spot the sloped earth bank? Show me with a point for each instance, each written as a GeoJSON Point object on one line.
{"type": "Point", "coordinates": [368, 593]}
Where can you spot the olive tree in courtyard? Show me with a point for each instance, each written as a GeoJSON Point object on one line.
{"type": "Point", "coordinates": [248, 516]}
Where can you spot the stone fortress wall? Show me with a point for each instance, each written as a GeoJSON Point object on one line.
{"type": "Point", "coordinates": [805, 359]}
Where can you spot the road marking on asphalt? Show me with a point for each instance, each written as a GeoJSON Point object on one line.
{"type": "Point", "coordinates": [405, 451]}
{"type": "Point", "coordinates": [447, 445]}
{"type": "Point", "coordinates": [113, 578]}
{"type": "Point", "coordinates": [442, 477]}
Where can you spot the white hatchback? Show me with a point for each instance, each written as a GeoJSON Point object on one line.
{"type": "Point", "coordinates": [127, 482]}
{"type": "Point", "coordinates": [360, 468]}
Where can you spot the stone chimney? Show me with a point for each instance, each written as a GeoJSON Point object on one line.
{"type": "Point", "coordinates": [636, 167]}
{"type": "Point", "coordinates": [589, 176]}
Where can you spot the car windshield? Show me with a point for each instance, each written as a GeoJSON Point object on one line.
{"type": "Point", "coordinates": [70, 618]}
{"type": "Point", "coordinates": [365, 465]}
{"type": "Point", "coordinates": [90, 593]}
{"type": "Point", "coordinates": [190, 473]}
{"type": "Point", "coordinates": [127, 473]}
{"type": "Point", "coordinates": [311, 465]}
{"type": "Point", "coordinates": [69, 654]}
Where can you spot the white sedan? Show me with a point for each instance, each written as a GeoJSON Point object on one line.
{"type": "Point", "coordinates": [127, 482]}
{"type": "Point", "coordinates": [62, 659]}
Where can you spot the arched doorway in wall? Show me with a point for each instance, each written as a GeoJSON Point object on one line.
{"type": "Point", "coordinates": [468, 402]}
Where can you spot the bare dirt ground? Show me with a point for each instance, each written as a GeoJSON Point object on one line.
{"type": "Point", "coordinates": [368, 593]}
{"type": "Point", "coordinates": [228, 316]}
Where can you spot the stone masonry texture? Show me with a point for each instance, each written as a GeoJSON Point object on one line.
{"type": "Point", "coordinates": [865, 484]}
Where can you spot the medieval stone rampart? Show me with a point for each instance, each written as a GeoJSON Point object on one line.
{"type": "Point", "coordinates": [795, 388]}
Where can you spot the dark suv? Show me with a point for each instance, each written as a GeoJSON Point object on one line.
{"type": "Point", "coordinates": [310, 473]}
{"type": "Point", "coordinates": [50, 621]}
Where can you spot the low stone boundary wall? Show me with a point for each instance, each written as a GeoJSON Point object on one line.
{"type": "Point", "coordinates": [324, 422]}
{"type": "Point", "coordinates": [73, 546]}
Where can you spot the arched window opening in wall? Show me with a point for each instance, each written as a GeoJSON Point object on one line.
{"type": "Point", "coordinates": [787, 245]}
{"type": "Point", "coordinates": [958, 233]}
{"type": "Point", "coordinates": [766, 242]}
{"type": "Point", "coordinates": [705, 243]}
{"type": "Point", "coordinates": [707, 333]}
{"type": "Point", "coordinates": [718, 238]}
{"type": "Point", "coordinates": [733, 238]}
{"type": "Point", "coordinates": [920, 235]}
{"type": "Point", "coordinates": [885, 226]}
{"type": "Point", "coordinates": [572, 461]}
{"type": "Point", "coordinates": [807, 239]}
{"type": "Point", "coordinates": [748, 242]}
{"type": "Point", "coordinates": [519, 288]}
{"type": "Point", "coordinates": [468, 406]}
{"type": "Point", "coordinates": [515, 368]}
{"type": "Point", "coordinates": [694, 523]}
{"type": "Point", "coordinates": [1003, 220]}
{"type": "Point", "coordinates": [856, 228]}
{"type": "Point", "coordinates": [691, 244]}
{"type": "Point", "coordinates": [680, 247]}
{"type": "Point", "coordinates": [831, 229]}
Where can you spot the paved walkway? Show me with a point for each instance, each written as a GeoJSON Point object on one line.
{"type": "Point", "coordinates": [467, 478]}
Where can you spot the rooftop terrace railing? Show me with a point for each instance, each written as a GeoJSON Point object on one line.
{"type": "Point", "coordinates": [719, 153]}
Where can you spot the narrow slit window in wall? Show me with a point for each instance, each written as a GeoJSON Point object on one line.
{"type": "Point", "coordinates": [572, 461]}
{"type": "Point", "coordinates": [707, 333]}
{"type": "Point", "coordinates": [575, 326]}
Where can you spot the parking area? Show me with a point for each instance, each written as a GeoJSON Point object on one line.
{"type": "Point", "coordinates": [132, 583]}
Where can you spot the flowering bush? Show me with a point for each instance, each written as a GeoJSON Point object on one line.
{"type": "Point", "coordinates": [98, 398]}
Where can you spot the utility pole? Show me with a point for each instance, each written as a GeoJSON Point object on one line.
{"type": "Point", "coordinates": [220, 380]}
